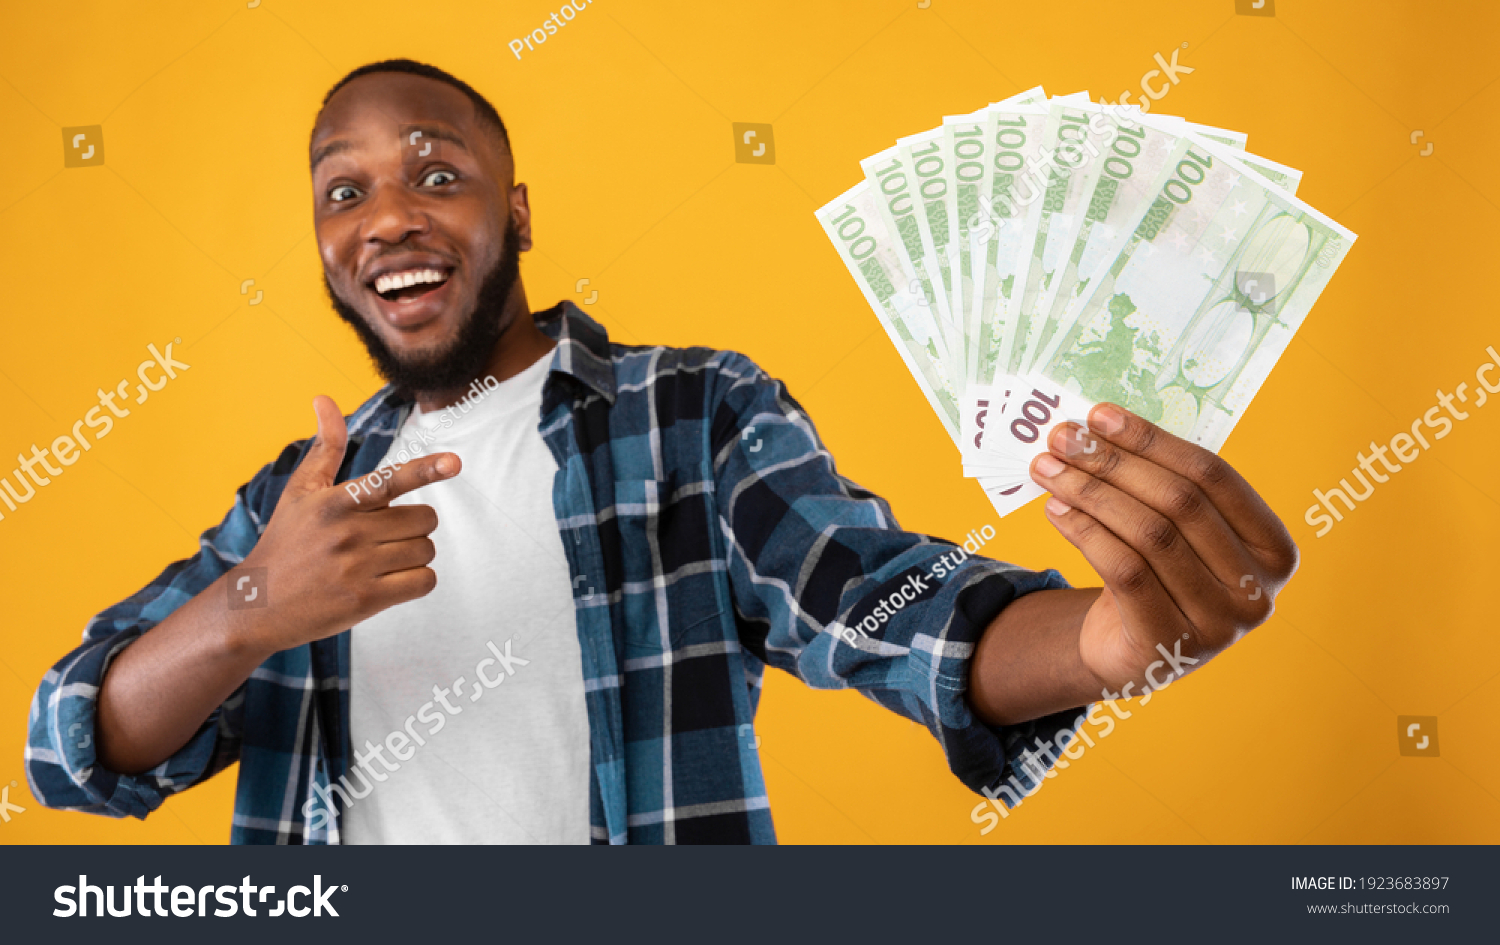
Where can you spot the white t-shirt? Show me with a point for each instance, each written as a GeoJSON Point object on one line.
{"type": "Point", "coordinates": [512, 767]}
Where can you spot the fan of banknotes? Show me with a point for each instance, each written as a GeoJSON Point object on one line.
{"type": "Point", "coordinates": [1043, 255]}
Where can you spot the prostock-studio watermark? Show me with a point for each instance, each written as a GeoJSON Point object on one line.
{"type": "Point", "coordinates": [1325, 513]}
{"type": "Point", "coordinates": [554, 22]}
{"type": "Point", "coordinates": [366, 485]}
{"type": "Point", "coordinates": [914, 587]}
{"type": "Point", "coordinates": [65, 448]}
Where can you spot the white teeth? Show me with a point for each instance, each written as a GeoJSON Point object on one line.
{"type": "Point", "coordinates": [400, 280]}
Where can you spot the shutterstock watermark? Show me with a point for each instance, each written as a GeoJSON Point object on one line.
{"type": "Point", "coordinates": [1105, 123]}
{"type": "Point", "coordinates": [1169, 71]}
{"type": "Point", "coordinates": [190, 901]}
{"type": "Point", "coordinates": [1403, 446]}
{"type": "Point", "coordinates": [65, 448]}
{"type": "Point", "coordinates": [400, 742]}
{"type": "Point", "coordinates": [1069, 157]}
{"type": "Point", "coordinates": [1059, 749]}
{"type": "Point", "coordinates": [6, 807]}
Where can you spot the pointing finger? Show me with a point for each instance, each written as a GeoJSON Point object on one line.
{"type": "Point", "coordinates": [376, 490]}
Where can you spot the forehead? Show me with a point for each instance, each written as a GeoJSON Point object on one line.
{"type": "Point", "coordinates": [379, 105]}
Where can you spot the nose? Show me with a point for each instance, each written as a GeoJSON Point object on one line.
{"type": "Point", "coordinates": [391, 215]}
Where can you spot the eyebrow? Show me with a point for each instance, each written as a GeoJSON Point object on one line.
{"type": "Point", "coordinates": [341, 145]}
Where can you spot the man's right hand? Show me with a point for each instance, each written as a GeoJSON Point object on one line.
{"type": "Point", "coordinates": [331, 561]}
{"type": "Point", "coordinates": [338, 554]}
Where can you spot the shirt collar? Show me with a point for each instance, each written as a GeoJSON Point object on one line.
{"type": "Point", "coordinates": [582, 348]}
{"type": "Point", "coordinates": [582, 353]}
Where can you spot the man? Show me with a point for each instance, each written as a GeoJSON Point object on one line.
{"type": "Point", "coordinates": [626, 537]}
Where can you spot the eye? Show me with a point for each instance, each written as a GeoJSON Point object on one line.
{"type": "Point", "coordinates": [333, 194]}
{"type": "Point", "coordinates": [449, 174]}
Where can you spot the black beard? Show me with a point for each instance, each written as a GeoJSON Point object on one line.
{"type": "Point", "coordinates": [454, 366]}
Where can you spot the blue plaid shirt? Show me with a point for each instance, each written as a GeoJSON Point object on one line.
{"type": "Point", "coordinates": [708, 535]}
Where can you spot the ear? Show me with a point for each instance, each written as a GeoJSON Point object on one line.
{"type": "Point", "coordinates": [520, 212]}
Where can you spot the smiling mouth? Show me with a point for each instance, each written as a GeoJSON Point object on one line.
{"type": "Point", "coordinates": [409, 285]}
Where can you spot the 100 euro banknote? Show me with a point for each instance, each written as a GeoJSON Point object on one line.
{"type": "Point", "coordinates": [1014, 179]}
{"type": "Point", "coordinates": [872, 254]}
{"type": "Point", "coordinates": [967, 145]}
{"type": "Point", "coordinates": [1184, 324]}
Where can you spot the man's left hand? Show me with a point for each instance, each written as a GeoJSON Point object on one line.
{"type": "Point", "coordinates": [1191, 556]}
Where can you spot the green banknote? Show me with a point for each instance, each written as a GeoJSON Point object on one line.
{"type": "Point", "coordinates": [1132, 154]}
{"type": "Point", "coordinates": [871, 253]}
{"type": "Point", "coordinates": [1184, 324]}
{"type": "Point", "coordinates": [1032, 96]}
{"type": "Point", "coordinates": [1038, 256]}
{"type": "Point", "coordinates": [1014, 179]}
{"type": "Point", "coordinates": [1234, 139]}
{"type": "Point", "coordinates": [923, 155]}
{"type": "Point", "coordinates": [1069, 138]}
{"type": "Point", "coordinates": [967, 146]}
{"type": "Point", "coordinates": [1283, 177]}
{"type": "Point", "coordinates": [964, 150]}
{"type": "Point", "coordinates": [1011, 183]}
{"type": "Point", "coordinates": [894, 187]}
{"type": "Point", "coordinates": [1117, 208]}
{"type": "Point", "coordinates": [1287, 178]}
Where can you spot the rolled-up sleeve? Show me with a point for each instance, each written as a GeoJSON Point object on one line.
{"type": "Point", "coordinates": [61, 761]}
{"type": "Point", "coordinates": [829, 588]}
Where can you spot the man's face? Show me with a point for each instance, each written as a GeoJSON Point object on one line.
{"type": "Point", "coordinates": [418, 226]}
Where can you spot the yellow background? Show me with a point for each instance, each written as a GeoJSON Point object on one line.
{"type": "Point", "coordinates": [621, 125]}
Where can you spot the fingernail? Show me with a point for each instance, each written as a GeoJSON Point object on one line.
{"type": "Point", "coordinates": [1047, 465]}
{"type": "Point", "coordinates": [445, 465]}
{"type": "Point", "coordinates": [1108, 419]}
{"type": "Point", "coordinates": [1057, 506]}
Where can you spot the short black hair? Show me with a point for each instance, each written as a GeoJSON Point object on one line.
{"type": "Point", "coordinates": [488, 117]}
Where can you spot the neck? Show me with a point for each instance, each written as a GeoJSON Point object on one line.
{"type": "Point", "coordinates": [521, 344]}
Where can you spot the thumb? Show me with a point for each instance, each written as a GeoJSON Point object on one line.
{"type": "Point", "coordinates": [320, 467]}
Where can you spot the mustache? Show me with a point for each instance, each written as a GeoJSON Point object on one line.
{"type": "Point", "coordinates": [466, 353]}
{"type": "Point", "coordinates": [402, 250]}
